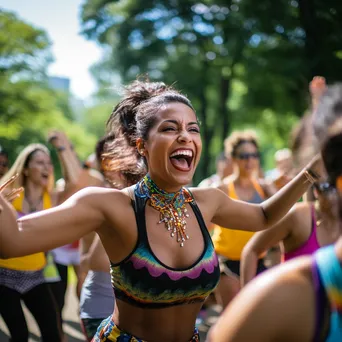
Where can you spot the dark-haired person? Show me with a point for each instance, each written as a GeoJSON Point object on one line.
{"type": "Point", "coordinates": [307, 227]}
{"type": "Point", "coordinates": [243, 185]}
{"type": "Point", "coordinates": [26, 278]}
{"type": "Point", "coordinates": [4, 162]}
{"type": "Point", "coordinates": [300, 300]}
{"type": "Point", "coordinates": [163, 263]}
{"type": "Point", "coordinates": [97, 298]}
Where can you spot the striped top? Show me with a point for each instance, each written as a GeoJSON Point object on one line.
{"type": "Point", "coordinates": [330, 275]}
{"type": "Point", "coordinates": [141, 279]}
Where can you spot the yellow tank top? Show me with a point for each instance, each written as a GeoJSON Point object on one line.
{"type": "Point", "coordinates": [229, 242]}
{"type": "Point", "coordinates": [32, 262]}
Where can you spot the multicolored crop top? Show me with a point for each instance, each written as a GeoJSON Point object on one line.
{"type": "Point", "coordinates": [144, 281]}
{"type": "Point", "coordinates": [327, 271]}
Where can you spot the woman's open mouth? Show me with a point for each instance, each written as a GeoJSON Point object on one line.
{"type": "Point", "coordinates": [181, 159]}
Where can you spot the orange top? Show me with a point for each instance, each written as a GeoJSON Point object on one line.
{"type": "Point", "coordinates": [229, 242]}
{"type": "Point", "coordinates": [32, 262]}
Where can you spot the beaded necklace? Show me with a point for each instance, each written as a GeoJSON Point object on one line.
{"type": "Point", "coordinates": [171, 206]}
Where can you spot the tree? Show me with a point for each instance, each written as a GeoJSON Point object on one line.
{"type": "Point", "coordinates": [211, 47]}
{"type": "Point", "coordinates": [28, 107]}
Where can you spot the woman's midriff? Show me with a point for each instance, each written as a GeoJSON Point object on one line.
{"type": "Point", "coordinates": [172, 324]}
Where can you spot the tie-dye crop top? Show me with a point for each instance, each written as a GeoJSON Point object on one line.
{"type": "Point", "coordinates": [144, 281]}
{"type": "Point", "coordinates": [329, 292]}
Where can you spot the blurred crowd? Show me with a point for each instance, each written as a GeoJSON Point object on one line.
{"type": "Point", "coordinates": [41, 280]}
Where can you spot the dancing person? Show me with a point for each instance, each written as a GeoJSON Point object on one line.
{"type": "Point", "coordinates": [97, 297]}
{"type": "Point", "coordinates": [243, 185]}
{"type": "Point", "coordinates": [224, 169]}
{"type": "Point", "coordinates": [163, 263]}
{"type": "Point", "coordinates": [306, 228]}
{"type": "Point", "coordinates": [23, 278]}
{"type": "Point", "coordinates": [299, 300]}
{"type": "Point", "coordinates": [70, 254]}
{"type": "Point", "coordinates": [4, 162]}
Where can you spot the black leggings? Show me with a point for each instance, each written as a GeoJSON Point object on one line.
{"type": "Point", "coordinates": [40, 302]}
{"type": "Point", "coordinates": [59, 288]}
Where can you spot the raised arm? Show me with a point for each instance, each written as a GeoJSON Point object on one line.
{"type": "Point", "coordinates": [261, 242]}
{"type": "Point", "coordinates": [71, 166]}
{"type": "Point", "coordinates": [48, 229]}
{"type": "Point", "coordinates": [253, 217]}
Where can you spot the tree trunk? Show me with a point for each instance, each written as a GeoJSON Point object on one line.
{"type": "Point", "coordinates": [225, 84]}
{"type": "Point", "coordinates": [313, 45]}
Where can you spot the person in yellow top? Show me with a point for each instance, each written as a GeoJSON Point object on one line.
{"type": "Point", "coordinates": [244, 185]}
{"type": "Point", "coordinates": [22, 278]}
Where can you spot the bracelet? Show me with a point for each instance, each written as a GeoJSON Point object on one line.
{"type": "Point", "coordinates": [314, 174]}
{"type": "Point", "coordinates": [311, 176]}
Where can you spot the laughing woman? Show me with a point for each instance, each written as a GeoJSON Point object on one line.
{"type": "Point", "coordinates": [244, 185]}
{"type": "Point", "coordinates": [163, 262]}
{"type": "Point", "coordinates": [23, 278]}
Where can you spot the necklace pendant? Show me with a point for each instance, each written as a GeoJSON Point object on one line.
{"type": "Point", "coordinates": [171, 207]}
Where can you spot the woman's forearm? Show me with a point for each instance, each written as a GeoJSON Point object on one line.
{"type": "Point", "coordinates": [248, 266]}
{"type": "Point", "coordinates": [71, 167]}
{"type": "Point", "coordinates": [279, 204]}
{"type": "Point", "coordinates": [8, 228]}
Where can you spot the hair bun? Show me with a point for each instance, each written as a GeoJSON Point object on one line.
{"type": "Point", "coordinates": [123, 117]}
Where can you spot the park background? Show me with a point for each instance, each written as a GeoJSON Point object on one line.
{"type": "Point", "coordinates": [243, 63]}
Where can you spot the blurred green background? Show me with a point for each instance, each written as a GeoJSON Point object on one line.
{"type": "Point", "coordinates": [243, 64]}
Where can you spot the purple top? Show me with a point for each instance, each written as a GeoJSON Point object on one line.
{"type": "Point", "coordinates": [310, 246]}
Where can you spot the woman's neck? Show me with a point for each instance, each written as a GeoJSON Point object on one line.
{"type": "Point", "coordinates": [164, 186]}
{"type": "Point", "coordinates": [33, 192]}
{"type": "Point", "coordinates": [327, 216]}
{"type": "Point", "coordinates": [244, 181]}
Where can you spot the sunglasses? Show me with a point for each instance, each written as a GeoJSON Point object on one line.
{"type": "Point", "coordinates": [246, 156]}
{"type": "Point", "coordinates": [324, 187]}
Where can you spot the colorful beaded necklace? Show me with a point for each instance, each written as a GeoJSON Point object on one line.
{"type": "Point", "coordinates": [171, 206]}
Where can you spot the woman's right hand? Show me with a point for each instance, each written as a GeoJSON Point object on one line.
{"type": "Point", "coordinates": [58, 139]}
{"type": "Point", "coordinates": [317, 87]}
{"type": "Point", "coordinates": [10, 195]}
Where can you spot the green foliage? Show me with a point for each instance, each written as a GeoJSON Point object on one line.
{"type": "Point", "coordinates": [29, 109]}
{"type": "Point", "coordinates": [95, 118]}
{"type": "Point", "coordinates": [242, 63]}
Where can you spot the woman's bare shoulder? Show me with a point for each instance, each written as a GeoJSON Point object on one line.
{"type": "Point", "coordinates": [299, 213]}
{"type": "Point", "coordinates": [203, 193]}
{"type": "Point", "coordinates": [281, 298]}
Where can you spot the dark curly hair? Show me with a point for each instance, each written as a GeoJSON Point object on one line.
{"type": "Point", "coordinates": [132, 118]}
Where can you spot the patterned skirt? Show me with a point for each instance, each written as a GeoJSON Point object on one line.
{"type": "Point", "coordinates": [109, 332]}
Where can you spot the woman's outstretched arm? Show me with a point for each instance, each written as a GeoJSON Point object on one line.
{"type": "Point", "coordinates": [48, 229]}
{"type": "Point", "coordinates": [255, 217]}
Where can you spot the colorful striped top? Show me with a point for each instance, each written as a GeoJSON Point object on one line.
{"type": "Point", "coordinates": [329, 269]}
{"type": "Point", "coordinates": [141, 279]}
